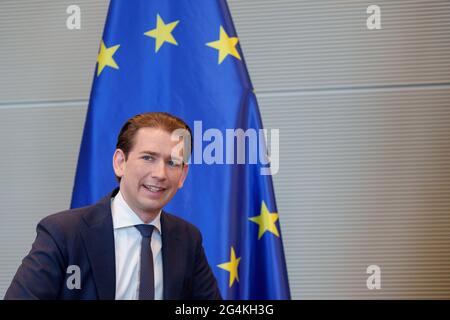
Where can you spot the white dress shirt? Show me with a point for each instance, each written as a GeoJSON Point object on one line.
{"type": "Point", "coordinates": [127, 241]}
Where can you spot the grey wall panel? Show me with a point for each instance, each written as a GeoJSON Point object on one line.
{"type": "Point", "coordinates": [288, 45]}
{"type": "Point", "coordinates": [40, 59]}
{"type": "Point", "coordinates": [364, 179]}
{"type": "Point", "coordinates": [39, 148]}
{"type": "Point", "coordinates": [300, 45]}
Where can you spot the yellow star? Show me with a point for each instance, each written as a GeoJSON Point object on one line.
{"type": "Point", "coordinates": [105, 57]}
{"type": "Point", "coordinates": [225, 45]}
{"type": "Point", "coordinates": [266, 221]}
{"type": "Point", "coordinates": [162, 33]}
{"type": "Point", "coordinates": [231, 267]}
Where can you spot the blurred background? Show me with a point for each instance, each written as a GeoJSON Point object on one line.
{"type": "Point", "coordinates": [364, 120]}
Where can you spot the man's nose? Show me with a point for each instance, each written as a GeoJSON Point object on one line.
{"type": "Point", "coordinates": [159, 170]}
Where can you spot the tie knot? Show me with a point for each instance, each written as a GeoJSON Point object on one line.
{"type": "Point", "coordinates": [145, 230]}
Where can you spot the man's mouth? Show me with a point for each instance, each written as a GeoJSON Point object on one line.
{"type": "Point", "coordinates": [154, 189]}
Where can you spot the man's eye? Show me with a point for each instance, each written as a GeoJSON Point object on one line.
{"type": "Point", "coordinates": [174, 163]}
{"type": "Point", "coordinates": [148, 158]}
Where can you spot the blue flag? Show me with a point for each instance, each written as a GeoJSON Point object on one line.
{"type": "Point", "coordinates": [183, 57]}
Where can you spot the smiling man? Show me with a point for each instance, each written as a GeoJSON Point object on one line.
{"type": "Point", "coordinates": [125, 246]}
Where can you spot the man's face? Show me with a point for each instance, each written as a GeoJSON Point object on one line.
{"type": "Point", "coordinates": [150, 176]}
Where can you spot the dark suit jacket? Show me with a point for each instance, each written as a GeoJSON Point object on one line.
{"type": "Point", "coordinates": [85, 237]}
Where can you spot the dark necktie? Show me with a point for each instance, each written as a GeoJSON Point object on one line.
{"type": "Point", "coordinates": [146, 279]}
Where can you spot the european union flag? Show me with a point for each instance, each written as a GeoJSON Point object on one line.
{"type": "Point", "coordinates": [183, 57]}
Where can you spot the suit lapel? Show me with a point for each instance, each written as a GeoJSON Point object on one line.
{"type": "Point", "coordinates": [173, 262]}
{"type": "Point", "coordinates": [98, 236]}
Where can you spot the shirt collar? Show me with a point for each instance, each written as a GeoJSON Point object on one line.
{"type": "Point", "coordinates": [123, 216]}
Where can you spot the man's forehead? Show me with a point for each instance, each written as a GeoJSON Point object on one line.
{"type": "Point", "coordinates": [156, 140]}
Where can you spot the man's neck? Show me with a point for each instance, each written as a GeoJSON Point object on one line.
{"type": "Point", "coordinates": [146, 217]}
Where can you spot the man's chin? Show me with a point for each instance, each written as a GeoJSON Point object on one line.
{"type": "Point", "coordinates": [151, 205]}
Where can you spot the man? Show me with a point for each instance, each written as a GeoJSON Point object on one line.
{"type": "Point", "coordinates": [125, 246]}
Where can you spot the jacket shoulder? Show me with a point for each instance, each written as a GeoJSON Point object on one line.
{"type": "Point", "coordinates": [65, 220]}
{"type": "Point", "coordinates": [181, 224]}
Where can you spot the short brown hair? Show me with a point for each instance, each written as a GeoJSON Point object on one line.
{"type": "Point", "coordinates": [159, 120]}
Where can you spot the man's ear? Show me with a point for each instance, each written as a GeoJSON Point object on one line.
{"type": "Point", "coordinates": [119, 162]}
{"type": "Point", "coordinates": [183, 175]}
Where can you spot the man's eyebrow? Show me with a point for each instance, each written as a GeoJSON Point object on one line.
{"type": "Point", "coordinates": [150, 152]}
